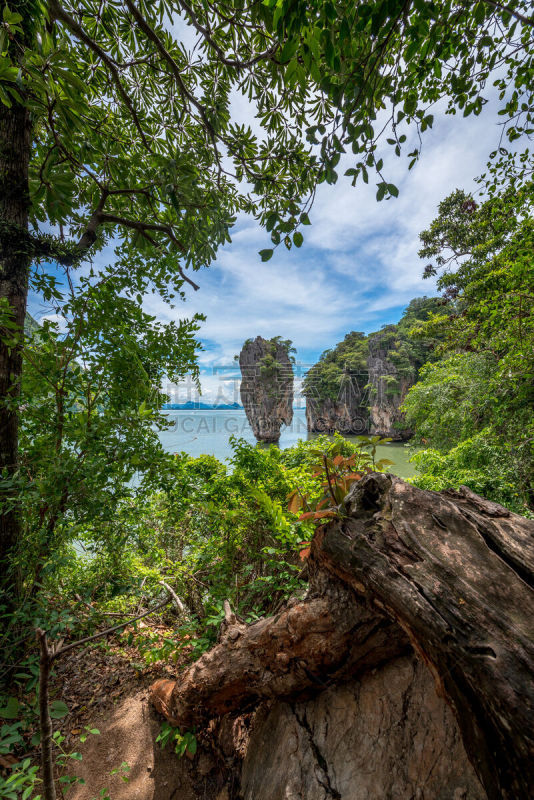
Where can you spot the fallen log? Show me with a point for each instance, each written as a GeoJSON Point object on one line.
{"type": "Point", "coordinates": [449, 573]}
{"type": "Point", "coordinates": [306, 647]}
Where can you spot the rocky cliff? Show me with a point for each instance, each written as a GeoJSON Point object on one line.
{"type": "Point", "coordinates": [348, 413]}
{"type": "Point", "coordinates": [359, 386]}
{"type": "Point", "coordinates": [386, 735]}
{"type": "Point", "coordinates": [369, 401]}
{"type": "Point", "coordinates": [388, 388]}
{"type": "Point", "coordinates": [267, 386]}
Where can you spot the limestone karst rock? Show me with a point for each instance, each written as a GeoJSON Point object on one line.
{"type": "Point", "coordinates": [387, 391]}
{"type": "Point", "coordinates": [328, 416]}
{"type": "Point", "coordinates": [369, 399]}
{"type": "Point", "coordinates": [267, 386]}
{"type": "Point", "coordinates": [358, 386]}
{"type": "Point", "coordinates": [384, 735]}
{"type": "Point", "coordinates": [348, 413]}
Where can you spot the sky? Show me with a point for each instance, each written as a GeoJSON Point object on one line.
{"type": "Point", "coordinates": [357, 269]}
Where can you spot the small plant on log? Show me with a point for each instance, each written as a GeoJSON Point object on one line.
{"type": "Point", "coordinates": [337, 474]}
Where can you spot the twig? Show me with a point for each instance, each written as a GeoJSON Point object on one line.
{"type": "Point", "coordinates": [76, 29]}
{"type": "Point", "coordinates": [95, 610]}
{"type": "Point", "coordinates": [176, 600]}
{"type": "Point", "coordinates": [512, 12]}
{"type": "Point", "coordinates": [60, 651]}
{"type": "Point", "coordinates": [325, 460]}
{"type": "Point", "coordinates": [48, 656]}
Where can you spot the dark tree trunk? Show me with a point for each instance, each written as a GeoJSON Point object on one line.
{"type": "Point", "coordinates": [14, 270]}
{"type": "Point", "coordinates": [448, 572]}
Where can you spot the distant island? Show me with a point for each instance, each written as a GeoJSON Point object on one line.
{"type": "Point", "coordinates": [194, 405]}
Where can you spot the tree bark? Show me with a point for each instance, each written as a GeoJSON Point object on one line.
{"type": "Point", "coordinates": [448, 572]}
{"type": "Point", "coordinates": [14, 271]}
{"type": "Point", "coordinates": [45, 723]}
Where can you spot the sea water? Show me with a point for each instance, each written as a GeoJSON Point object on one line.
{"type": "Point", "coordinates": [207, 431]}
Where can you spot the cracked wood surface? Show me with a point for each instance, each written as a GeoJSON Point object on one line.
{"type": "Point", "coordinates": [456, 572]}
{"type": "Point", "coordinates": [306, 647]}
{"type": "Point", "coordinates": [449, 572]}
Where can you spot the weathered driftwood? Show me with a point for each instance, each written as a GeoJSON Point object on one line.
{"type": "Point", "coordinates": [451, 573]}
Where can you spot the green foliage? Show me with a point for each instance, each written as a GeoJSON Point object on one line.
{"type": "Point", "coordinates": [133, 132]}
{"type": "Point", "coordinates": [215, 532]}
{"type": "Point", "coordinates": [481, 462]}
{"type": "Point", "coordinates": [344, 369]}
{"type": "Point", "coordinates": [91, 411]}
{"type": "Point", "coordinates": [412, 346]}
{"type": "Point", "coordinates": [181, 742]}
{"type": "Point", "coordinates": [227, 533]}
{"type": "Point", "coordinates": [327, 378]}
{"type": "Point", "coordinates": [21, 783]}
{"type": "Point", "coordinates": [270, 366]}
{"type": "Point", "coordinates": [336, 473]}
{"type": "Point", "coordinates": [451, 398]}
{"type": "Point", "coordinates": [353, 51]}
{"type": "Point", "coordinates": [482, 388]}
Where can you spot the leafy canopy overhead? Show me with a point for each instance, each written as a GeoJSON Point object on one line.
{"type": "Point", "coordinates": [134, 132]}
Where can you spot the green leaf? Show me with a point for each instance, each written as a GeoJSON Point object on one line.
{"type": "Point", "coordinates": [11, 710]}
{"type": "Point", "coordinates": [266, 254]}
{"type": "Point", "coordinates": [289, 50]}
{"type": "Point", "coordinates": [58, 709]}
{"type": "Point", "coordinates": [298, 238]}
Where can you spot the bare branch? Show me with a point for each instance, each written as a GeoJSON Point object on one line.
{"type": "Point", "coordinates": [176, 600]}
{"type": "Point", "coordinates": [61, 650]}
{"type": "Point", "coordinates": [143, 228]}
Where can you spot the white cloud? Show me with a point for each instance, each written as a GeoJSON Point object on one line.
{"type": "Point", "coordinates": [358, 266]}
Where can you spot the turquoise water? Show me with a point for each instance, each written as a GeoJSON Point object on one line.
{"type": "Point", "coordinates": [206, 431]}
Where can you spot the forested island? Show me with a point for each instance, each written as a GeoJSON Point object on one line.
{"type": "Point", "coordinates": [359, 387]}
{"type": "Point", "coordinates": [292, 622]}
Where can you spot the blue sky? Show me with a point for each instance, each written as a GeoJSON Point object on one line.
{"type": "Point", "coordinates": [357, 269]}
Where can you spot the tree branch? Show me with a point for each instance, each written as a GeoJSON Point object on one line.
{"type": "Point", "coordinates": [176, 600]}
{"type": "Point", "coordinates": [229, 62]}
{"type": "Point", "coordinates": [45, 723]}
{"type": "Point", "coordinates": [60, 13]}
{"type": "Point", "coordinates": [143, 227]}
{"type": "Point", "coordinates": [59, 651]}
{"type": "Point", "coordinates": [515, 14]}
{"type": "Point", "coordinates": [153, 37]}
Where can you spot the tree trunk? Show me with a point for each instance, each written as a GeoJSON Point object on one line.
{"type": "Point", "coordinates": [448, 572]}
{"type": "Point", "coordinates": [14, 270]}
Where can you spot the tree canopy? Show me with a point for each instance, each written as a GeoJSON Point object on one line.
{"type": "Point", "coordinates": [120, 129]}
{"type": "Point", "coordinates": [474, 406]}
{"type": "Point", "coordinates": [134, 132]}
